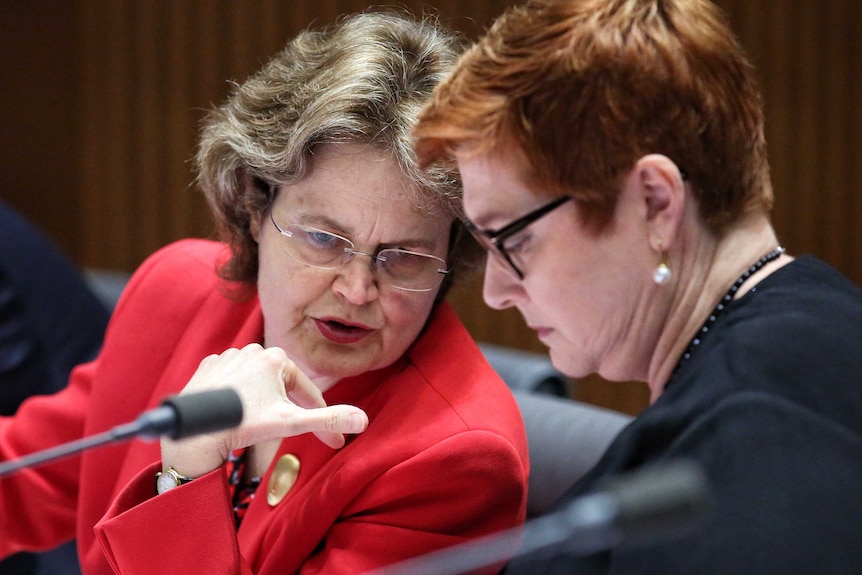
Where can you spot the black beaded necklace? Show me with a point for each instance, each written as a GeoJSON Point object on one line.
{"type": "Point", "coordinates": [723, 303]}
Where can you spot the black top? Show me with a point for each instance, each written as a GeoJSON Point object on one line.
{"type": "Point", "coordinates": [770, 405]}
{"type": "Point", "coordinates": [50, 321]}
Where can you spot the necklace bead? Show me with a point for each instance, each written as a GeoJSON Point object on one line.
{"type": "Point", "coordinates": [724, 302]}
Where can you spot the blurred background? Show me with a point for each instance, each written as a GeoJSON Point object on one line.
{"type": "Point", "coordinates": [100, 103]}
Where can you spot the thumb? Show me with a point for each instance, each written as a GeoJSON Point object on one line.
{"type": "Point", "coordinates": [336, 420]}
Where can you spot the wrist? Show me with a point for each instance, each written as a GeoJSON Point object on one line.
{"type": "Point", "coordinates": [192, 458]}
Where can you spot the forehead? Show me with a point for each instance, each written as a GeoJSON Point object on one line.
{"type": "Point", "coordinates": [357, 190]}
{"type": "Point", "coordinates": [497, 186]}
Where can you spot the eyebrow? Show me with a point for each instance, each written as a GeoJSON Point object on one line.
{"type": "Point", "coordinates": [328, 224]}
{"type": "Point", "coordinates": [504, 217]}
{"type": "Point", "coordinates": [481, 223]}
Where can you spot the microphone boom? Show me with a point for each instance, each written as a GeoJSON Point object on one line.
{"type": "Point", "coordinates": [178, 417]}
{"type": "Point", "coordinates": [641, 507]}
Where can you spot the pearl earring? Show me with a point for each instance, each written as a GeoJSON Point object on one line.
{"type": "Point", "coordinates": [662, 274]}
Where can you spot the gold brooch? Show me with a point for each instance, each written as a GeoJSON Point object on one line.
{"type": "Point", "coordinates": [282, 479]}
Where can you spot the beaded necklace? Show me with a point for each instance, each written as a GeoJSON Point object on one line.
{"type": "Point", "coordinates": [723, 303]}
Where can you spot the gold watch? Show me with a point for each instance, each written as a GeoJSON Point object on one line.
{"type": "Point", "coordinates": [168, 479]}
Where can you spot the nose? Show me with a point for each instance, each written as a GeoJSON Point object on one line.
{"type": "Point", "coordinates": [500, 287]}
{"type": "Point", "coordinates": [356, 280]}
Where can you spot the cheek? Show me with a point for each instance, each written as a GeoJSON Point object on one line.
{"type": "Point", "coordinates": [405, 317]}
{"type": "Point", "coordinates": [278, 300]}
{"type": "Point", "coordinates": [285, 291]}
{"type": "Point", "coordinates": [272, 277]}
{"type": "Point", "coordinates": [568, 298]}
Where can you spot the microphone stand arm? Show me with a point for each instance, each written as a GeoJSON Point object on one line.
{"type": "Point", "coordinates": [65, 450]}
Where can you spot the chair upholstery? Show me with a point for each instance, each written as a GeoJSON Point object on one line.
{"type": "Point", "coordinates": [526, 371]}
{"type": "Point", "coordinates": [106, 284]}
{"type": "Point", "coordinates": [565, 437]}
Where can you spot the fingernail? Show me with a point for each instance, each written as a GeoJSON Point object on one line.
{"type": "Point", "coordinates": [357, 423]}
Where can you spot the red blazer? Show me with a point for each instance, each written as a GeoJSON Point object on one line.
{"type": "Point", "coordinates": [443, 460]}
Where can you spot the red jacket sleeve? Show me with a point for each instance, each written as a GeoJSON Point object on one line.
{"type": "Point", "coordinates": [190, 528]}
{"type": "Point", "coordinates": [39, 505]}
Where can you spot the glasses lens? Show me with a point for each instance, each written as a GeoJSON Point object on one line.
{"type": "Point", "coordinates": [497, 250]}
{"type": "Point", "coordinates": [315, 247]}
{"type": "Point", "coordinates": [411, 271]}
{"type": "Point", "coordinates": [403, 269]}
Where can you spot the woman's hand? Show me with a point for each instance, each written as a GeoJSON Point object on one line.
{"type": "Point", "coordinates": [278, 401]}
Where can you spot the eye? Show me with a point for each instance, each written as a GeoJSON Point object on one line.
{"type": "Point", "coordinates": [517, 243]}
{"type": "Point", "coordinates": [323, 237]}
{"type": "Point", "coordinates": [321, 240]}
{"type": "Point", "coordinates": [402, 262]}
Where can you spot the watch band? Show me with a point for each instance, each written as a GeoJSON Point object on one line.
{"type": "Point", "coordinates": [168, 479]}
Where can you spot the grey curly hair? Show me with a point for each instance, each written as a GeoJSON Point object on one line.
{"type": "Point", "coordinates": [362, 80]}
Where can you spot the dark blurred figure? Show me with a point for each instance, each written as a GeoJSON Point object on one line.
{"type": "Point", "coordinates": [50, 321]}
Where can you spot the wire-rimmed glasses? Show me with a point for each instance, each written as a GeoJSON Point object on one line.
{"type": "Point", "coordinates": [402, 269]}
{"type": "Point", "coordinates": [495, 240]}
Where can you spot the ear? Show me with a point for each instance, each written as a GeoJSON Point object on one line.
{"type": "Point", "coordinates": [662, 192]}
{"type": "Point", "coordinates": [255, 224]}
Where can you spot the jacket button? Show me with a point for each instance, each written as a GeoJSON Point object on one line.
{"type": "Point", "coordinates": [282, 479]}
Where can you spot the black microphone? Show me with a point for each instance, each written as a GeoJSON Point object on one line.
{"type": "Point", "coordinates": [186, 415]}
{"type": "Point", "coordinates": [178, 417]}
{"type": "Point", "coordinates": [642, 507]}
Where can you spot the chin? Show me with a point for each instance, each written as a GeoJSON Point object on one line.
{"type": "Point", "coordinates": [333, 360]}
{"type": "Point", "coordinates": [561, 365]}
{"type": "Point", "coordinates": [567, 362]}
{"type": "Point", "coordinates": [343, 364]}
{"type": "Point", "coordinates": [332, 369]}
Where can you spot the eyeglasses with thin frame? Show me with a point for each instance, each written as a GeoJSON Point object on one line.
{"type": "Point", "coordinates": [495, 240]}
{"type": "Point", "coordinates": [402, 269]}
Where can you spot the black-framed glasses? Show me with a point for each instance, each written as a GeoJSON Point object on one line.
{"type": "Point", "coordinates": [495, 240]}
{"type": "Point", "coordinates": [402, 269]}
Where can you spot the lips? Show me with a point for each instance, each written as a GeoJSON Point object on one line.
{"type": "Point", "coordinates": [338, 331]}
{"type": "Point", "coordinates": [542, 331]}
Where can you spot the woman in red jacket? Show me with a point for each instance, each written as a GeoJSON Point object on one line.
{"type": "Point", "coordinates": [327, 294]}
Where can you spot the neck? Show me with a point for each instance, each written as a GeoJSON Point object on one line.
{"type": "Point", "coordinates": [324, 382]}
{"type": "Point", "coordinates": [321, 382]}
{"type": "Point", "coordinates": [705, 273]}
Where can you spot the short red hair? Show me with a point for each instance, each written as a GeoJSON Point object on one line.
{"type": "Point", "coordinates": [587, 87]}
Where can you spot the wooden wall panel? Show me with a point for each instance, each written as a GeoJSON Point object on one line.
{"type": "Point", "coordinates": [38, 115]}
{"type": "Point", "coordinates": [808, 56]}
{"type": "Point", "coordinates": [101, 102]}
{"type": "Point", "coordinates": [150, 70]}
